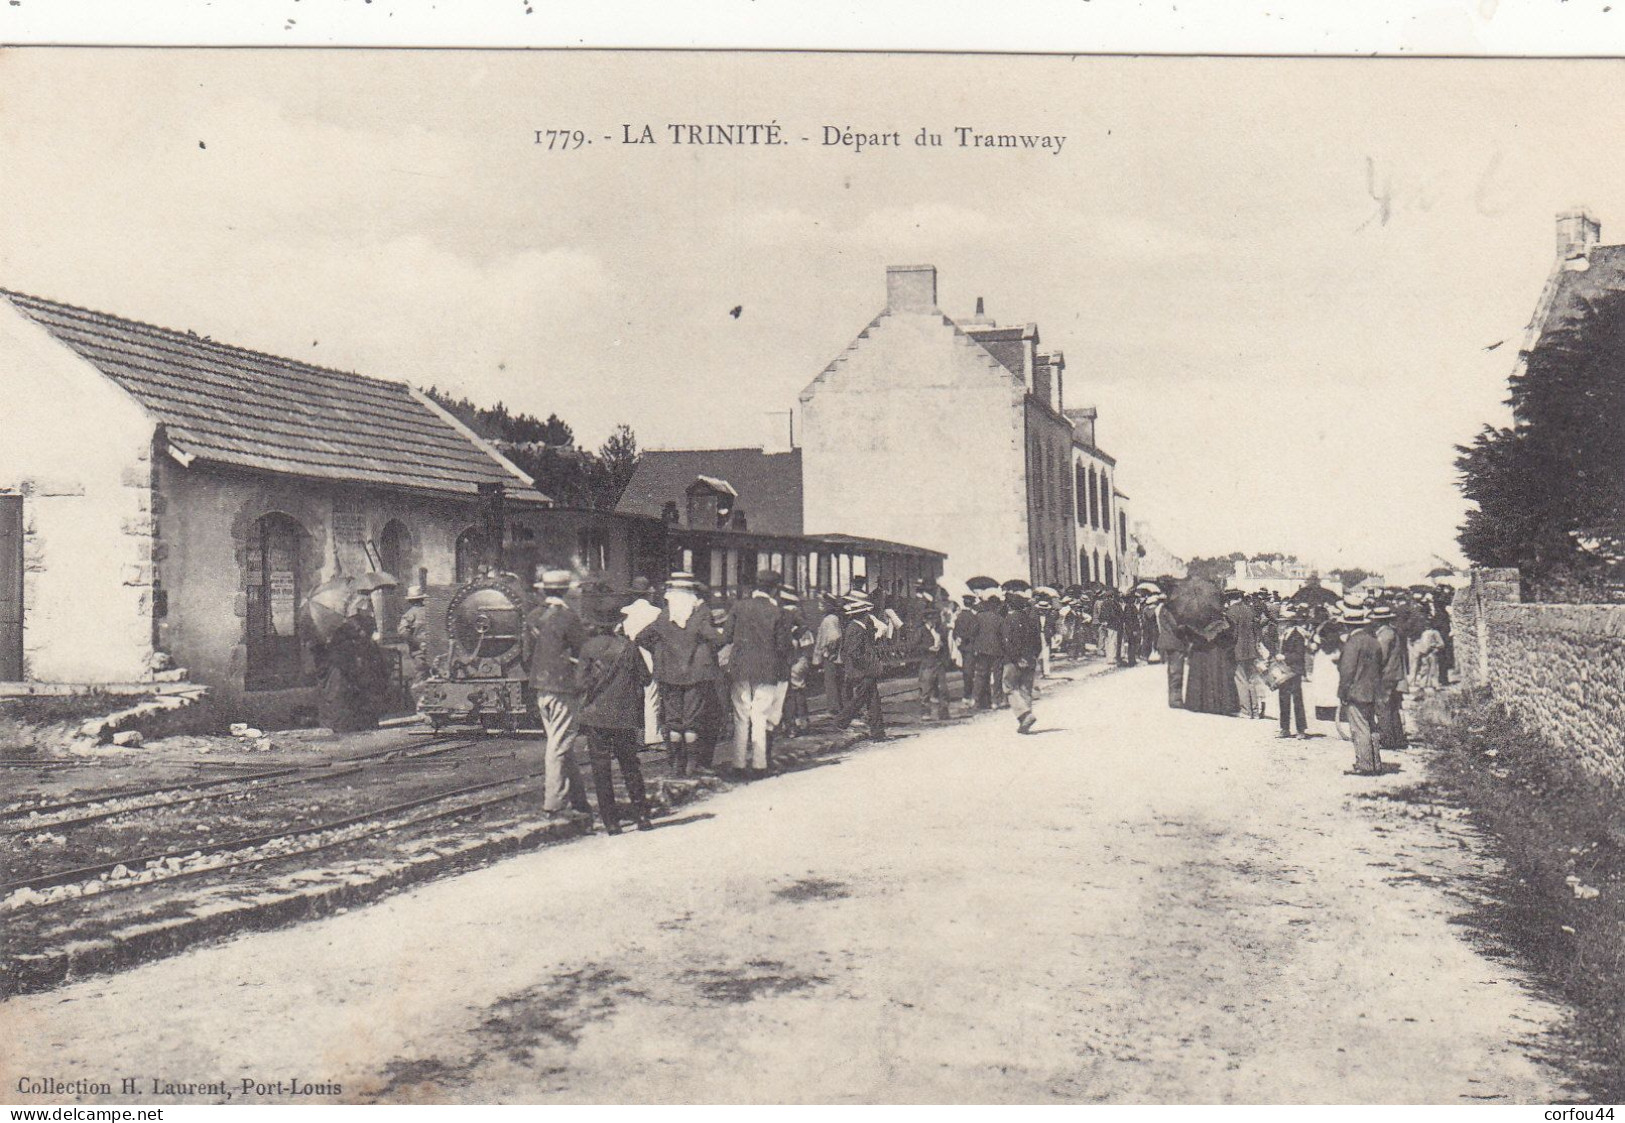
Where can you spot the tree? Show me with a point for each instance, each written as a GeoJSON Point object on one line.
{"type": "Point", "coordinates": [1217, 570]}
{"type": "Point", "coordinates": [1350, 577]}
{"type": "Point", "coordinates": [545, 451]}
{"type": "Point", "coordinates": [1550, 484]}
{"type": "Point", "coordinates": [617, 460]}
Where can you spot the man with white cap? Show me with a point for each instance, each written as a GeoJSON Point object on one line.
{"type": "Point", "coordinates": [554, 636]}
{"type": "Point", "coordinates": [1359, 687]}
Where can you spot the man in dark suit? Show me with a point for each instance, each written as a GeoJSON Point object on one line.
{"type": "Point", "coordinates": [964, 639]}
{"type": "Point", "coordinates": [1021, 643]}
{"type": "Point", "coordinates": [1171, 645]}
{"type": "Point", "coordinates": [1359, 688]}
{"type": "Point", "coordinates": [759, 631]}
{"type": "Point", "coordinates": [1244, 634]}
{"type": "Point", "coordinates": [860, 660]}
{"type": "Point", "coordinates": [987, 646]}
{"type": "Point", "coordinates": [1395, 667]}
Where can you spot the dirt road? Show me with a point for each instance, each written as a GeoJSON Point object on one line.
{"type": "Point", "coordinates": [1134, 905]}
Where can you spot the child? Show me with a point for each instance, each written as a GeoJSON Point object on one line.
{"type": "Point", "coordinates": [1429, 649]}
{"type": "Point", "coordinates": [1297, 649]}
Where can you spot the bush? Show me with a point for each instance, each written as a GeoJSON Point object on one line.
{"type": "Point", "coordinates": [1557, 828]}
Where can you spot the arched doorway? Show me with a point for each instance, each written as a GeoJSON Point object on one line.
{"type": "Point", "coordinates": [274, 580]}
{"type": "Point", "coordinates": [1111, 576]}
{"type": "Point", "coordinates": [399, 560]}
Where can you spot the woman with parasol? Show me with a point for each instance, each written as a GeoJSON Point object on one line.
{"type": "Point", "coordinates": [1210, 682]}
{"type": "Point", "coordinates": [352, 676]}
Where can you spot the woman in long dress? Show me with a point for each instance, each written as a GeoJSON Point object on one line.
{"type": "Point", "coordinates": [352, 676]}
{"type": "Point", "coordinates": [1210, 677]}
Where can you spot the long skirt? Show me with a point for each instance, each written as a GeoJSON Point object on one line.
{"type": "Point", "coordinates": [1210, 680]}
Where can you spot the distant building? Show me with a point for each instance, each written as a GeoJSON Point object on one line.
{"type": "Point", "coordinates": [1156, 560]}
{"type": "Point", "coordinates": [732, 511]}
{"type": "Point", "coordinates": [160, 491]}
{"type": "Point", "coordinates": [956, 434]}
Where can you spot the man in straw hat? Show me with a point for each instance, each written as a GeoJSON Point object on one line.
{"type": "Point", "coordinates": [860, 660]}
{"type": "Point", "coordinates": [1359, 687]}
{"type": "Point", "coordinates": [684, 645]}
{"type": "Point", "coordinates": [759, 631]}
{"type": "Point", "coordinates": [414, 629]}
{"type": "Point", "coordinates": [1395, 668]}
{"type": "Point", "coordinates": [554, 635]}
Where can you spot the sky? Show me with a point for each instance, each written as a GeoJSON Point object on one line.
{"type": "Point", "coordinates": [1278, 280]}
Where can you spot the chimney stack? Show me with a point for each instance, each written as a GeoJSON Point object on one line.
{"type": "Point", "coordinates": [1577, 232]}
{"type": "Point", "coordinates": [911, 288]}
{"type": "Point", "coordinates": [780, 433]}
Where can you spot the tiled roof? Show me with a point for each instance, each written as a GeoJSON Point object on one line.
{"type": "Point", "coordinates": [768, 484]}
{"type": "Point", "coordinates": [227, 405]}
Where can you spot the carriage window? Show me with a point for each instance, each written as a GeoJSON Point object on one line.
{"type": "Point", "coordinates": [273, 583]}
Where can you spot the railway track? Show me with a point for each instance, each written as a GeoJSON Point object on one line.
{"type": "Point", "coordinates": [161, 796]}
{"type": "Point", "coordinates": [149, 868]}
{"type": "Point", "coordinates": [286, 843]}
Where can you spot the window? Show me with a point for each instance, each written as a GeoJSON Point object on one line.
{"type": "Point", "coordinates": [1094, 498]}
{"type": "Point", "coordinates": [1081, 493]}
{"type": "Point", "coordinates": [1122, 532]}
{"type": "Point", "coordinates": [274, 583]}
{"type": "Point", "coordinates": [1111, 578]}
{"type": "Point", "coordinates": [469, 554]}
{"type": "Point", "coordinates": [592, 545]}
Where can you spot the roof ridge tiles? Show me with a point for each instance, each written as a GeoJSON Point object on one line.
{"type": "Point", "coordinates": [188, 336]}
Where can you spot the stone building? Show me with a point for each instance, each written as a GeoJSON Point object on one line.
{"type": "Point", "coordinates": [160, 491]}
{"type": "Point", "coordinates": [1105, 551]}
{"type": "Point", "coordinates": [956, 434]}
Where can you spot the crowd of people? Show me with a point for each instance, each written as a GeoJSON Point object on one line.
{"type": "Point", "coordinates": [1382, 645]}
{"type": "Point", "coordinates": [716, 683]}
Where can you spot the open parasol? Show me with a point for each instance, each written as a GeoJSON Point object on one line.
{"type": "Point", "coordinates": [1195, 602]}
{"type": "Point", "coordinates": [328, 606]}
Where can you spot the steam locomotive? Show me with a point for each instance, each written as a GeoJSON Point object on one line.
{"type": "Point", "coordinates": [480, 678]}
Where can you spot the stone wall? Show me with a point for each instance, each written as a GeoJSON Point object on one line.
{"type": "Point", "coordinates": [1561, 667]}
{"type": "Point", "coordinates": [79, 452]}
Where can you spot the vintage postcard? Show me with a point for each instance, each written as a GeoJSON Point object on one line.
{"type": "Point", "coordinates": [688, 577]}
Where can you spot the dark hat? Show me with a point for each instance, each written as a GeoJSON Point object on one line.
{"type": "Point", "coordinates": [1229, 595]}
{"type": "Point", "coordinates": [768, 578]}
{"type": "Point", "coordinates": [640, 585]}
{"type": "Point", "coordinates": [968, 598]}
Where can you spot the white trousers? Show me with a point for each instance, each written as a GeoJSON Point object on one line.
{"type": "Point", "coordinates": [753, 712]}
